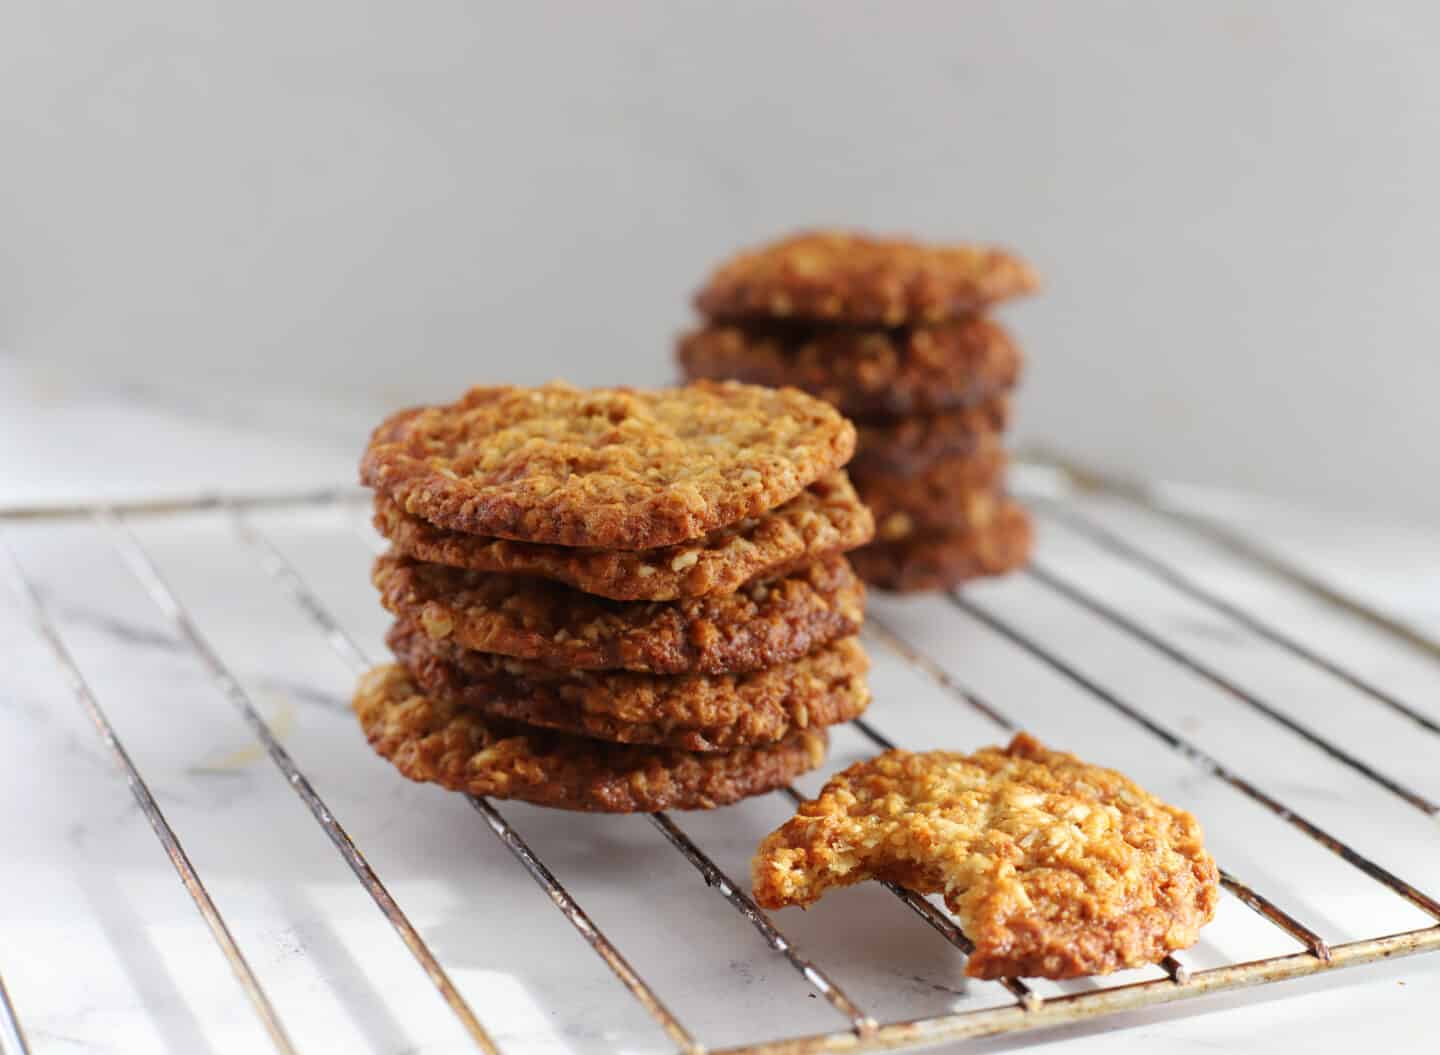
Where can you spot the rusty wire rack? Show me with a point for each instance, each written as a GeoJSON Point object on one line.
{"type": "Point", "coordinates": [1026, 1009]}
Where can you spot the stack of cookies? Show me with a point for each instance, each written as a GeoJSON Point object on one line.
{"type": "Point", "coordinates": [613, 599]}
{"type": "Point", "coordinates": [893, 333]}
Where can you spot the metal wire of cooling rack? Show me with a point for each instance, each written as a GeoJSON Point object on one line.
{"type": "Point", "coordinates": [1027, 1010]}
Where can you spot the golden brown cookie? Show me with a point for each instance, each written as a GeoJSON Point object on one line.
{"type": "Point", "coordinates": [868, 374]}
{"type": "Point", "coordinates": [964, 513]}
{"type": "Point", "coordinates": [1054, 868]}
{"type": "Point", "coordinates": [824, 520]}
{"type": "Point", "coordinates": [906, 445]}
{"type": "Point", "coordinates": [442, 743]}
{"type": "Point", "coordinates": [848, 277]}
{"type": "Point", "coordinates": [696, 712]}
{"type": "Point", "coordinates": [609, 468]}
{"type": "Point", "coordinates": [762, 624]}
{"type": "Point", "coordinates": [958, 493]}
{"type": "Point", "coordinates": [926, 561]}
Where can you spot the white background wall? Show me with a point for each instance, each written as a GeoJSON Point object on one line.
{"type": "Point", "coordinates": [1234, 204]}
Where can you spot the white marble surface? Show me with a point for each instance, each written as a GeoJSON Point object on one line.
{"type": "Point", "coordinates": [103, 952]}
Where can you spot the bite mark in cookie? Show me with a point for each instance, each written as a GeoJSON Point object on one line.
{"type": "Point", "coordinates": [1053, 867]}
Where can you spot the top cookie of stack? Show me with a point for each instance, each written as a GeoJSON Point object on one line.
{"type": "Point", "coordinates": [624, 494]}
{"type": "Point", "coordinates": [615, 599]}
{"type": "Point", "coordinates": [893, 333]}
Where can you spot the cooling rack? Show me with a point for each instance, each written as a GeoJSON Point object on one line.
{"type": "Point", "coordinates": [1196, 658]}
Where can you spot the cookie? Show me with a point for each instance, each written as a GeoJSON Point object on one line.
{"type": "Point", "coordinates": [868, 374]}
{"type": "Point", "coordinates": [958, 493]}
{"type": "Point", "coordinates": [858, 279]}
{"type": "Point", "coordinates": [1053, 867]}
{"type": "Point", "coordinates": [905, 446]}
{"type": "Point", "coordinates": [940, 561]}
{"type": "Point", "coordinates": [434, 741]}
{"type": "Point", "coordinates": [965, 513]}
{"type": "Point", "coordinates": [825, 519]}
{"type": "Point", "coordinates": [762, 624]}
{"type": "Point", "coordinates": [696, 712]}
{"type": "Point", "coordinates": [606, 468]}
